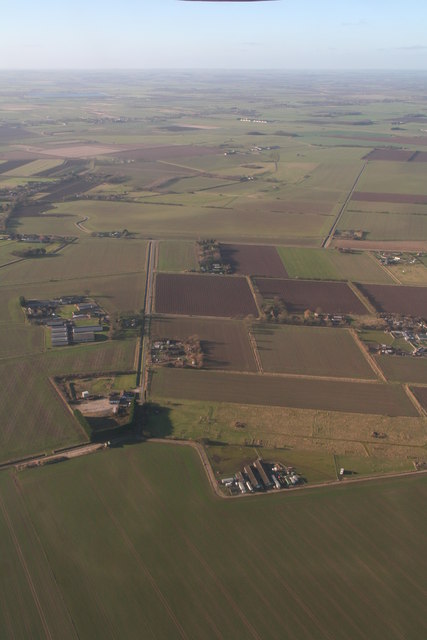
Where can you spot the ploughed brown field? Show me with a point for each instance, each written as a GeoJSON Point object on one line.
{"type": "Point", "coordinates": [419, 156]}
{"type": "Point", "coordinates": [12, 164]}
{"type": "Point", "coordinates": [254, 260]}
{"type": "Point", "coordinates": [299, 295]}
{"type": "Point", "coordinates": [409, 301]}
{"type": "Point", "coordinates": [225, 343]}
{"type": "Point", "coordinates": [397, 155]}
{"type": "Point", "coordinates": [196, 295]}
{"type": "Point", "coordinates": [399, 198]}
{"type": "Point", "coordinates": [421, 395]}
{"type": "Point", "coordinates": [348, 397]}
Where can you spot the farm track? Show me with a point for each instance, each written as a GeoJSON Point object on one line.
{"type": "Point", "coordinates": [327, 241]}
{"type": "Point", "coordinates": [374, 366]}
{"type": "Point", "coordinates": [142, 347]}
{"type": "Point", "coordinates": [255, 351]}
{"type": "Point", "coordinates": [417, 404]}
{"type": "Point", "coordinates": [387, 271]}
{"type": "Point", "coordinates": [80, 224]}
{"type": "Point", "coordinates": [371, 309]}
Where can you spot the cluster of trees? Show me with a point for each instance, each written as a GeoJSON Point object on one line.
{"type": "Point", "coordinates": [38, 252]}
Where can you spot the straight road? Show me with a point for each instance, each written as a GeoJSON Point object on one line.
{"type": "Point", "coordinates": [327, 241]}
{"type": "Point", "coordinates": [145, 330]}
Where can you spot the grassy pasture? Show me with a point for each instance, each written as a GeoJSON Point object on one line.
{"type": "Point", "coordinates": [20, 339]}
{"type": "Point", "coordinates": [313, 577]}
{"type": "Point", "coordinates": [177, 256]}
{"type": "Point", "coordinates": [84, 260]}
{"type": "Point", "coordinates": [331, 265]}
{"type": "Point", "coordinates": [300, 393]}
{"type": "Point", "coordinates": [394, 177]}
{"type": "Point", "coordinates": [168, 221]}
{"type": "Point", "coordinates": [311, 351]}
{"type": "Point", "coordinates": [385, 226]}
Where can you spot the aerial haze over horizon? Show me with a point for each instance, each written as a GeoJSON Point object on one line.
{"type": "Point", "coordinates": [172, 34]}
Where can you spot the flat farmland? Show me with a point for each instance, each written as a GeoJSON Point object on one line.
{"type": "Point", "coordinates": [177, 256]}
{"type": "Point", "coordinates": [318, 264]}
{"type": "Point", "coordinates": [385, 225]}
{"type": "Point", "coordinates": [397, 198]}
{"type": "Point", "coordinates": [157, 526]}
{"type": "Point", "coordinates": [329, 297]}
{"type": "Point", "coordinates": [311, 351]}
{"type": "Point", "coordinates": [32, 168]}
{"type": "Point", "coordinates": [393, 177]}
{"type": "Point", "coordinates": [253, 260]}
{"type": "Point", "coordinates": [20, 339]}
{"type": "Point", "coordinates": [204, 295]}
{"type": "Point", "coordinates": [349, 397]}
{"type": "Point", "coordinates": [410, 301]}
{"type": "Point", "coordinates": [394, 155]}
{"type": "Point", "coordinates": [281, 221]}
{"type": "Point", "coordinates": [421, 395]}
{"type": "Point", "coordinates": [34, 419]}
{"type": "Point", "coordinates": [225, 343]}
{"type": "Point", "coordinates": [84, 260]}
{"type": "Point", "coordinates": [404, 368]}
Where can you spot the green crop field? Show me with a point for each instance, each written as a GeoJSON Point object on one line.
{"type": "Point", "coordinates": [177, 256]}
{"type": "Point", "coordinates": [303, 565]}
{"type": "Point", "coordinates": [332, 265]}
{"type": "Point", "coordinates": [32, 168]}
{"type": "Point", "coordinates": [310, 350]}
{"type": "Point", "coordinates": [385, 225]}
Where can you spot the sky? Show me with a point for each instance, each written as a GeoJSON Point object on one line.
{"type": "Point", "coordinates": [150, 34]}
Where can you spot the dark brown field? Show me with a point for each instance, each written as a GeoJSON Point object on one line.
{"type": "Point", "coordinates": [419, 156]}
{"type": "Point", "coordinates": [409, 301]}
{"type": "Point", "coordinates": [254, 260]}
{"type": "Point", "coordinates": [12, 164]}
{"type": "Point", "coordinates": [396, 155]}
{"type": "Point", "coordinates": [421, 395]}
{"type": "Point", "coordinates": [195, 295]}
{"type": "Point", "coordinates": [418, 140]}
{"type": "Point", "coordinates": [225, 343]}
{"type": "Point", "coordinates": [299, 295]}
{"type": "Point", "coordinates": [349, 397]}
{"type": "Point", "coordinates": [399, 198]}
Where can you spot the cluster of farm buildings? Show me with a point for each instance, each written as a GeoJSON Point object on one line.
{"type": "Point", "coordinates": [65, 331]}
{"type": "Point", "coordinates": [262, 476]}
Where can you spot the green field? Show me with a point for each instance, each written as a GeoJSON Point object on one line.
{"type": "Point", "coordinates": [34, 419]}
{"type": "Point", "coordinates": [385, 225]}
{"type": "Point", "coordinates": [309, 565]}
{"type": "Point", "coordinates": [177, 256]}
{"type": "Point", "coordinates": [318, 264]}
{"type": "Point", "coordinates": [311, 351]}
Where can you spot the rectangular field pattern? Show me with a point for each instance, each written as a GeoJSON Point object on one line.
{"type": "Point", "coordinates": [326, 297]}
{"type": "Point", "coordinates": [199, 295]}
{"type": "Point", "coordinates": [349, 397]}
{"type": "Point", "coordinates": [409, 301]}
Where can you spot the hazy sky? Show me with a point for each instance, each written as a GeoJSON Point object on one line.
{"type": "Point", "coordinates": [285, 34]}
